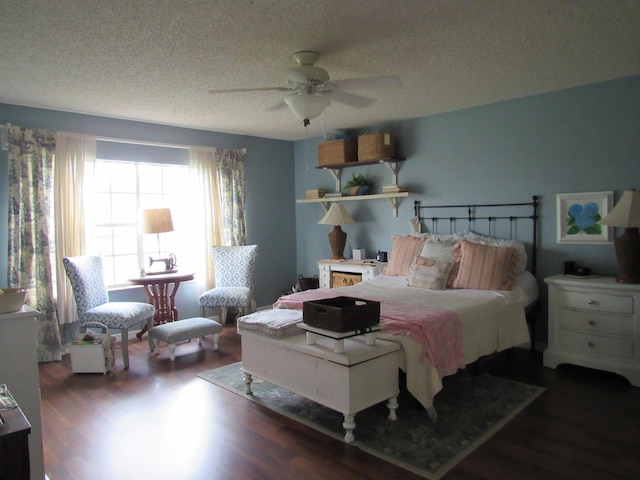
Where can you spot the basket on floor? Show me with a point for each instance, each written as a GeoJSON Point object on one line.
{"type": "Point", "coordinates": [92, 351]}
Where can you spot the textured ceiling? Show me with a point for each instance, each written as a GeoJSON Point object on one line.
{"type": "Point", "coordinates": [156, 60]}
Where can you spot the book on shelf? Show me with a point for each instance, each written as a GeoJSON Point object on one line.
{"type": "Point", "coordinates": [315, 193]}
{"type": "Point", "coordinates": [393, 189]}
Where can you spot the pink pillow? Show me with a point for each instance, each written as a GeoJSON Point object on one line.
{"type": "Point", "coordinates": [485, 267]}
{"type": "Point", "coordinates": [403, 252]}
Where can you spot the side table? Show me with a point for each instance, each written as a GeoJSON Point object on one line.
{"type": "Point", "coordinates": [14, 445]}
{"type": "Point", "coordinates": [341, 273]}
{"type": "Point", "coordinates": [161, 290]}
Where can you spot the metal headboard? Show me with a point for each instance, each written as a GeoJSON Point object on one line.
{"type": "Point", "coordinates": [474, 214]}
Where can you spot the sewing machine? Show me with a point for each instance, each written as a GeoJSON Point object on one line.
{"type": "Point", "coordinates": [169, 265]}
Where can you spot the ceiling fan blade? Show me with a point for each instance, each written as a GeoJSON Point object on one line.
{"type": "Point", "coordinates": [277, 106]}
{"type": "Point", "coordinates": [350, 99]}
{"type": "Point", "coordinates": [241, 90]}
{"type": "Point", "coordinates": [388, 81]}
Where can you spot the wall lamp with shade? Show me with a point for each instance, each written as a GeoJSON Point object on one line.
{"type": "Point", "coordinates": [336, 216]}
{"type": "Point", "coordinates": [626, 214]}
{"type": "Point", "coordinates": [307, 105]}
{"type": "Point", "coordinates": [158, 220]}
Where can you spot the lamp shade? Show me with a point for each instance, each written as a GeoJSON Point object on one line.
{"type": "Point", "coordinates": [336, 215]}
{"type": "Point", "coordinates": [626, 213]}
{"type": "Point", "coordinates": [157, 220]}
{"type": "Point", "coordinates": [307, 106]}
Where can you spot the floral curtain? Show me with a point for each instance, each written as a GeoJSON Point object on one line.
{"type": "Point", "coordinates": [31, 184]}
{"type": "Point", "coordinates": [230, 169]}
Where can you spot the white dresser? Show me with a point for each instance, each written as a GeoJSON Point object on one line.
{"type": "Point", "coordinates": [595, 323]}
{"type": "Point", "coordinates": [342, 273]}
{"type": "Point", "coordinates": [19, 370]}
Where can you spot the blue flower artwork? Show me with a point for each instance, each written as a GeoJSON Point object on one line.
{"type": "Point", "coordinates": [584, 219]}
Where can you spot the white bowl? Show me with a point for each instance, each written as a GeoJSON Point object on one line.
{"type": "Point", "coordinates": [12, 299]}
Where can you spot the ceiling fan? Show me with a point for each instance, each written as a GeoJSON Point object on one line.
{"type": "Point", "coordinates": [310, 90]}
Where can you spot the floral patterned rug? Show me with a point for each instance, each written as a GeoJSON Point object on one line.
{"type": "Point", "coordinates": [470, 409]}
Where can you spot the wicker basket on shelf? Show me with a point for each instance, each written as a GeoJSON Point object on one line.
{"type": "Point", "coordinates": [376, 146]}
{"type": "Point", "coordinates": [337, 152]}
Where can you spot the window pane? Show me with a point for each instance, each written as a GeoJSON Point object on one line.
{"type": "Point", "coordinates": [126, 266]}
{"type": "Point", "coordinates": [150, 178]}
{"type": "Point", "coordinates": [123, 177]}
{"type": "Point", "coordinates": [125, 209]}
{"type": "Point", "coordinates": [125, 240]}
{"type": "Point", "coordinates": [104, 240]}
{"type": "Point", "coordinates": [102, 209]}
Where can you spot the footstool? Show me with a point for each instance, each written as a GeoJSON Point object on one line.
{"type": "Point", "coordinates": [181, 330]}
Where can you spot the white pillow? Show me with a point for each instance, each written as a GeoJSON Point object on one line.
{"type": "Point", "coordinates": [443, 251]}
{"type": "Point", "coordinates": [521, 266]}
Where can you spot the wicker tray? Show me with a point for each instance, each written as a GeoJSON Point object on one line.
{"type": "Point", "coordinates": [376, 146]}
{"type": "Point", "coordinates": [337, 152]}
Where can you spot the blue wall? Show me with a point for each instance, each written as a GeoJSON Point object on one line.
{"type": "Point", "coordinates": [269, 180]}
{"type": "Point", "coordinates": [584, 139]}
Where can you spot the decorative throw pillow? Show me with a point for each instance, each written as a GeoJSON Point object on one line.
{"type": "Point", "coordinates": [428, 273]}
{"type": "Point", "coordinates": [500, 242]}
{"type": "Point", "coordinates": [442, 249]}
{"type": "Point", "coordinates": [485, 267]}
{"type": "Point", "coordinates": [403, 252]}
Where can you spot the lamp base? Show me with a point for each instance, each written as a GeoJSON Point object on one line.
{"type": "Point", "coordinates": [337, 240]}
{"type": "Point", "coordinates": [628, 253]}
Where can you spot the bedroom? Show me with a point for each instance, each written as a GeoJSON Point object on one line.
{"type": "Point", "coordinates": [581, 139]}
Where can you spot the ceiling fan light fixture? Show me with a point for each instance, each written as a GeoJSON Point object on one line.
{"type": "Point", "coordinates": [307, 106]}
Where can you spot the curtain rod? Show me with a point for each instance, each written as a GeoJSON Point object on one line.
{"type": "Point", "coordinates": [136, 142]}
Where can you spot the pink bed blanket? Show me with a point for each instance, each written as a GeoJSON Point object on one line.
{"type": "Point", "coordinates": [438, 331]}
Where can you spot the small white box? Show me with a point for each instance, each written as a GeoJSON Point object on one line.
{"type": "Point", "coordinates": [359, 253]}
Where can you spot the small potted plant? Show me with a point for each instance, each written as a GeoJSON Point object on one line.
{"type": "Point", "coordinates": [358, 185]}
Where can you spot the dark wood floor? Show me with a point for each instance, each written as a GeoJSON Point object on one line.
{"type": "Point", "coordinates": [158, 420]}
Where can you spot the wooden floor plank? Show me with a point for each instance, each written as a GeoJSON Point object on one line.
{"type": "Point", "coordinates": [158, 420]}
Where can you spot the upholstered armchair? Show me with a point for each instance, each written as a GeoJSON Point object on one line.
{"type": "Point", "coordinates": [234, 269]}
{"type": "Point", "coordinates": [86, 275]}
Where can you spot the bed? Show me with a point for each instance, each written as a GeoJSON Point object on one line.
{"type": "Point", "coordinates": [450, 298]}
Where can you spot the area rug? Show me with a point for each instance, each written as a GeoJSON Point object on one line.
{"type": "Point", "coordinates": [470, 409]}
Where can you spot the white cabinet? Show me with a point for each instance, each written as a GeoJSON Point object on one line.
{"type": "Point", "coordinates": [594, 322]}
{"type": "Point", "coordinates": [19, 370]}
{"type": "Point", "coordinates": [348, 382]}
{"type": "Point", "coordinates": [342, 273]}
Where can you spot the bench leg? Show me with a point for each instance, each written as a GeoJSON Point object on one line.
{"type": "Point", "coordinates": [155, 345]}
{"type": "Point", "coordinates": [172, 351]}
{"type": "Point", "coordinates": [215, 340]}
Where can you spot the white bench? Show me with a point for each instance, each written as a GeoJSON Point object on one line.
{"type": "Point", "coordinates": [181, 330]}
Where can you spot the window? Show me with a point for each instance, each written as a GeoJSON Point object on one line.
{"type": "Point", "coordinates": [122, 189]}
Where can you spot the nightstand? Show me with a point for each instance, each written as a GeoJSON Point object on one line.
{"type": "Point", "coordinates": [595, 323]}
{"type": "Point", "coordinates": [342, 273]}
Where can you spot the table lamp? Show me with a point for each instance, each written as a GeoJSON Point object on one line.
{"type": "Point", "coordinates": [336, 216]}
{"type": "Point", "coordinates": [626, 214]}
{"type": "Point", "coordinates": [158, 220]}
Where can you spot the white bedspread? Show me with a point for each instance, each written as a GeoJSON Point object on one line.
{"type": "Point", "coordinates": [492, 321]}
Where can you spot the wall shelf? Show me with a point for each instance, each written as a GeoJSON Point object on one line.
{"type": "Point", "coordinates": [336, 173]}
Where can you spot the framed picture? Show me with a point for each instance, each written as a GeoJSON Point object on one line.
{"type": "Point", "coordinates": [578, 215]}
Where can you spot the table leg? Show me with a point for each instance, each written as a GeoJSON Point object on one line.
{"type": "Point", "coordinates": [247, 383]}
{"type": "Point", "coordinates": [392, 405]}
{"type": "Point", "coordinates": [349, 425]}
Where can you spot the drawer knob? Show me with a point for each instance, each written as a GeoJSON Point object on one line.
{"type": "Point", "coordinates": [591, 344]}
{"type": "Point", "coordinates": [592, 322]}
{"type": "Point", "coordinates": [591, 302]}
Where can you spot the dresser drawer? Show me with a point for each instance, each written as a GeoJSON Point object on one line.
{"type": "Point", "coordinates": [595, 301]}
{"type": "Point", "coordinates": [595, 344]}
{"type": "Point", "coordinates": [595, 322]}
